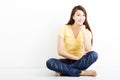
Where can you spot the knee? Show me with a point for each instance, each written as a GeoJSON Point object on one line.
{"type": "Point", "coordinates": [50, 62]}
{"type": "Point", "coordinates": [94, 55]}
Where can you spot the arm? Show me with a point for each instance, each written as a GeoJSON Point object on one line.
{"type": "Point", "coordinates": [87, 40]}
{"type": "Point", "coordinates": [61, 50]}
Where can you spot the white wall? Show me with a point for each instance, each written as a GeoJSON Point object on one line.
{"type": "Point", "coordinates": [28, 30]}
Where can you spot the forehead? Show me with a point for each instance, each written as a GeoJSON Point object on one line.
{"type": "Point", "coordinates": [79, 12]}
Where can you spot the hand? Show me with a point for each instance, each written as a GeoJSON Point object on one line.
{"type": "Point", "coordinates": [83, 28]}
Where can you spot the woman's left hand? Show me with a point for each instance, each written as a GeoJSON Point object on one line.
{"type": "Point", "coordinates": [83, 28]}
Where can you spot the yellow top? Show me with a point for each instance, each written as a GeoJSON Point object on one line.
{"type": "Point", "coordinates": [72, 45]}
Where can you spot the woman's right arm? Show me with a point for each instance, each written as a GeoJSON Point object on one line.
{"type": "Point", "coordinates": [62, 52]}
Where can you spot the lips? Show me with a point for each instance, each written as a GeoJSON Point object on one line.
{"type": "Point", "coordinates": [80, 21]}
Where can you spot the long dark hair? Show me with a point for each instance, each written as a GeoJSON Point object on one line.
{"type": "Point", "coordinates": [71, 20]}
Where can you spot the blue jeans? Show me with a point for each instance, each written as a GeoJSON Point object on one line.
{"type": "Point", "coordinates": [69, 67]}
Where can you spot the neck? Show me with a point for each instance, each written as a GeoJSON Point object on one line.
{"type": "Point", "coordinates": [76, 26]}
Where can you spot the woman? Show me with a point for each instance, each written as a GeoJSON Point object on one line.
{"type": "Point", "coordinates": [74, 47]}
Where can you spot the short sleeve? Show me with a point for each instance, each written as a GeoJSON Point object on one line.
{"type": "Point", "coordinates": [61, 32]}
{"type": "Point", "coordinates": [89, 33]}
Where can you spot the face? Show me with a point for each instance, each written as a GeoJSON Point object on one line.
{"type": "Point", "coordinates": [79, 17]}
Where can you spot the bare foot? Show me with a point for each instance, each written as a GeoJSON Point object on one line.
{"type": "Point", "coordinates": [88, 73]}
{"type": "Point", "coordinates": [57, 74]}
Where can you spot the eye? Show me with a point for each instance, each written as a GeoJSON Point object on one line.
{"type": "Point", "coordinates": [83, 14]}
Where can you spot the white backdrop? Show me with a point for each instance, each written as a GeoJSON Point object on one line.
{"type": "Point", "coordinates": [28, 30]}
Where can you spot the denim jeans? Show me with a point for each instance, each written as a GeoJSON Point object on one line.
{"type": "Point", "coordinates": [69, 67]}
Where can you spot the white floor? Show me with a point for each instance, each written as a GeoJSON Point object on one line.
{"type": "Point", "coordinates": [104, 73]}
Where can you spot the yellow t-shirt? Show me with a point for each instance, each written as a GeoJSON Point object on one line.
{"type": "Point", "coordinates": [72, 45]}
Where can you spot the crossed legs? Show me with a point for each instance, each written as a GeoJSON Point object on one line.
{"type": "Point", "coordinates": [77, 68]}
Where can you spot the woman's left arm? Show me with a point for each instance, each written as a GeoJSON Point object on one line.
{"type": "Point", "coordinates": [86, 39]}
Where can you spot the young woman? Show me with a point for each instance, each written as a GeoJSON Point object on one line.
{"type": "Point", "coordinates": [74, 47]}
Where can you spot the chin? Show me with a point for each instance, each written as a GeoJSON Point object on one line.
{"type": "Point", "coordinates": [80, 24]}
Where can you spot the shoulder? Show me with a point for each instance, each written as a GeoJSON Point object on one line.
{"type": "Point", "coordinates": [88, 31]}
{"type": "Point", "coordinates": [65, 27]}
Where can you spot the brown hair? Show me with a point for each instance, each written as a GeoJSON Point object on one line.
{"type": "Point", "coordinates": [71, 20]}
